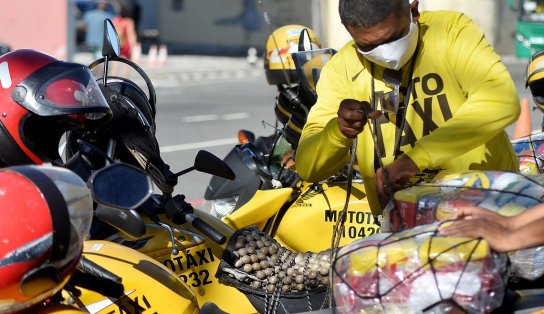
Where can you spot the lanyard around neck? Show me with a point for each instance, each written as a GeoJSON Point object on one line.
{"type": "Point", "coordinates": [401, 114]}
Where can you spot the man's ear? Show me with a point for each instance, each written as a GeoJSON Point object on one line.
{"type": "Point", "coordinates": [344, 24]}
{"type": "Point", "coordinates": [348, 29]}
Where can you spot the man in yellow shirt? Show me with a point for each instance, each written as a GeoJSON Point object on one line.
{"type": "Point", "coordinates": [445, 95]}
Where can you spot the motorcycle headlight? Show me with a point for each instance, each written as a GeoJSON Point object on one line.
{"type": "Point", "coordinates": [221, 208]}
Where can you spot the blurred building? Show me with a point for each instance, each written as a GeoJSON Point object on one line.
{"type": "Point", "coordinates": [230, 27]}
{"type": "Point", "coordinates": [498, 22]}
{"type": "Point", "coordinates": [36, 24]}
{"type": "Point", "coordinates": [221, 27]}
{"type": "Point", "coordinates": [218, 27]}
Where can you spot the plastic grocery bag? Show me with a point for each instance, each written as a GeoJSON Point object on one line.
{"type": "Point", "coordinates": [416, 270]}
{"type": "Point", "coordinates": [530, 150]}
{"type": "Point", "coordinates": [507, 193]}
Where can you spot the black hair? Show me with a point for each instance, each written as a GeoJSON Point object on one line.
{"type": "Point", "coordinates": [367, 13]}
{"type": "Point", "coordinates": [125, 11]}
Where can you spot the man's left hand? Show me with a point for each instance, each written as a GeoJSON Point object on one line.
{"type": "Point", "coordinates": [398, 175]}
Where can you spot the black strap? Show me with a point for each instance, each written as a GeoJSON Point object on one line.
{"type": "Point", "coordinates": [401, 113]}
{"type": "Point", "coordinates": [57, 207]}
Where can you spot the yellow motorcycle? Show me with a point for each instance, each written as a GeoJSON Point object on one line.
{"type": "Point", "coordinates": [306, 214]}
{"type": "Point", "coordinates": [295, 214]}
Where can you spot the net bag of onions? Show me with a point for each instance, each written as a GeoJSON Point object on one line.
{"type": "Point", "coordinates": [275, 279]}
{"type": "Point", "coordinates": [417, 270]}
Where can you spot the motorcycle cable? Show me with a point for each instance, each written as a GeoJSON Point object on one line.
{"type": "Point", "coordinates": [269, 24]}
{"type": "Point", "coordinates": [87, 147]}
{"type": "Point", "coordinates": [340, 223]}
{"type": "Point", "coordinates": [279, 132]}
{"type": "Point", "coordinates": [274, 299]}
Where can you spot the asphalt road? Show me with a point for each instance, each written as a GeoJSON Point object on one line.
{"type": "Point", "coordinates": [206, 113]}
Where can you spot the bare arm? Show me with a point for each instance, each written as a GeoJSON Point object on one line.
{"type": "Point", "coordinates": [512, 222]}
{"type": "Point", "coordinates": [504, 234]}
{"type": "Point", "coordinates": [499, 238]}
{"type": "Point", "coordinates": [131, 33]}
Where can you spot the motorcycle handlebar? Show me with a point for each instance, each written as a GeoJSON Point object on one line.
{"type": "Point", "coordinates": [179, 212]}
{"type": "Point", "coordinates": [94, 277]}
{"type": "Point", "coordinates": [206, 229]}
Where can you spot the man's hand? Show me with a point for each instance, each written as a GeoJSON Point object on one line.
{"type": "Point", "coordinates": [353, 115]}
{"type": "Point", "coordinates": [476, 212]}
{"type": "Point", "coordinates": [496, 235]}
{"type": "Point", "coordinates": [398, 174]}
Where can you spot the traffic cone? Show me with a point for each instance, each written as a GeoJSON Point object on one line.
{"type": "Point", "coordinates": [523, 125]}
{"type": "Point", "coordinates": [163, 55]}
{"type": "Point", "coordinates": [152, 56]}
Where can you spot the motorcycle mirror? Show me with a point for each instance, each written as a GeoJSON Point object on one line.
{"type": "Point", "coordinates": [118, 189]}
{"type": "Point", "coordinates": [120, 186]}
{"type": "Point", "coordinates": [304, 41]}
{"type": "Point", "coordinates": [209, 163]}
{"type": "Point", "coordinates": [111, 48]}
{"type": "Point", "coordinates": [110, 42]}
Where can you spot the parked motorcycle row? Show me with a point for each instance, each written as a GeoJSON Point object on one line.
{"type": "Point", "coordinates": [267, 243]}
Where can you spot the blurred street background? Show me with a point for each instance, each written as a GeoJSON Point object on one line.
{"type": "Point", "coordinates": [205, 58]}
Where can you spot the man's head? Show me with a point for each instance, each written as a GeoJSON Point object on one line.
{"type": "Point", "coordinates": [102, 5]}
{"type": "Point", "coordinates": [375, 23]}
{"type": "Point", "coordinates": [367, 13]}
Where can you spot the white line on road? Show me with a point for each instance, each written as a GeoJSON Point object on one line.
{"type": "Point", "coordinates": [236, 116]}
{"type": "Point", "coordinates": [213, 117]}
{"type": "Point", "coordinates": [200, 118]}
{"type": "Point", "coordinates": [189, 146]}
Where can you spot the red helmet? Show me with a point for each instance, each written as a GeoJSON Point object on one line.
{"type": "Point", "coordinates": [41, 98]}
{"type": "Point", "coordinates": [46, 214]}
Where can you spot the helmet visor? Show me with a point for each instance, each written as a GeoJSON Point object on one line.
{"type": "Point", "coordinates": [62, 88]}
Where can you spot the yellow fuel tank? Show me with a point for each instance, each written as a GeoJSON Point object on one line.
{"type": "Point", "coordinates": [309, 222]}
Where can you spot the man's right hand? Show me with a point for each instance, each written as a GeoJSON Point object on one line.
{"type": "Point", "coordinates": [353, 115]}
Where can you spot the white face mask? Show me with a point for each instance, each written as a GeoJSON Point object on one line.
{"type": "Point", "coordinates": [395, 54]}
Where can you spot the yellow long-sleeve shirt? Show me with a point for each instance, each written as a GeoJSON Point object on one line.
{"type": "Point", "coordinates": [462, 99]}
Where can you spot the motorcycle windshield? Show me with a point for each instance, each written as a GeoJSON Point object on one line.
{"type": "Point", "coordinates": [309, 65]}
{"type": "Point", "coordinates": [122, 70]}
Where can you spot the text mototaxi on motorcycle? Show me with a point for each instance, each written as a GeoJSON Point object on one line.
{"type": "Point", "coordinates": [445, 96]}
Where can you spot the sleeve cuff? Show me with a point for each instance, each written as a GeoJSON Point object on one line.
{"type": "Point", "coordinates": [336, 136]}
{"type": "Point", "coordinates": [420, 157]}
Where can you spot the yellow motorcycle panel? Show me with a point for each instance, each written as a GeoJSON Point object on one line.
{"type": "Point", "coordinates": [263, 205]}
{"type": "Point", "coordinates": [195, 264]}
{"type": "Point", "coordinates": [149, 286]}
{"type": "Point", "coordinates": [309, 223]}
